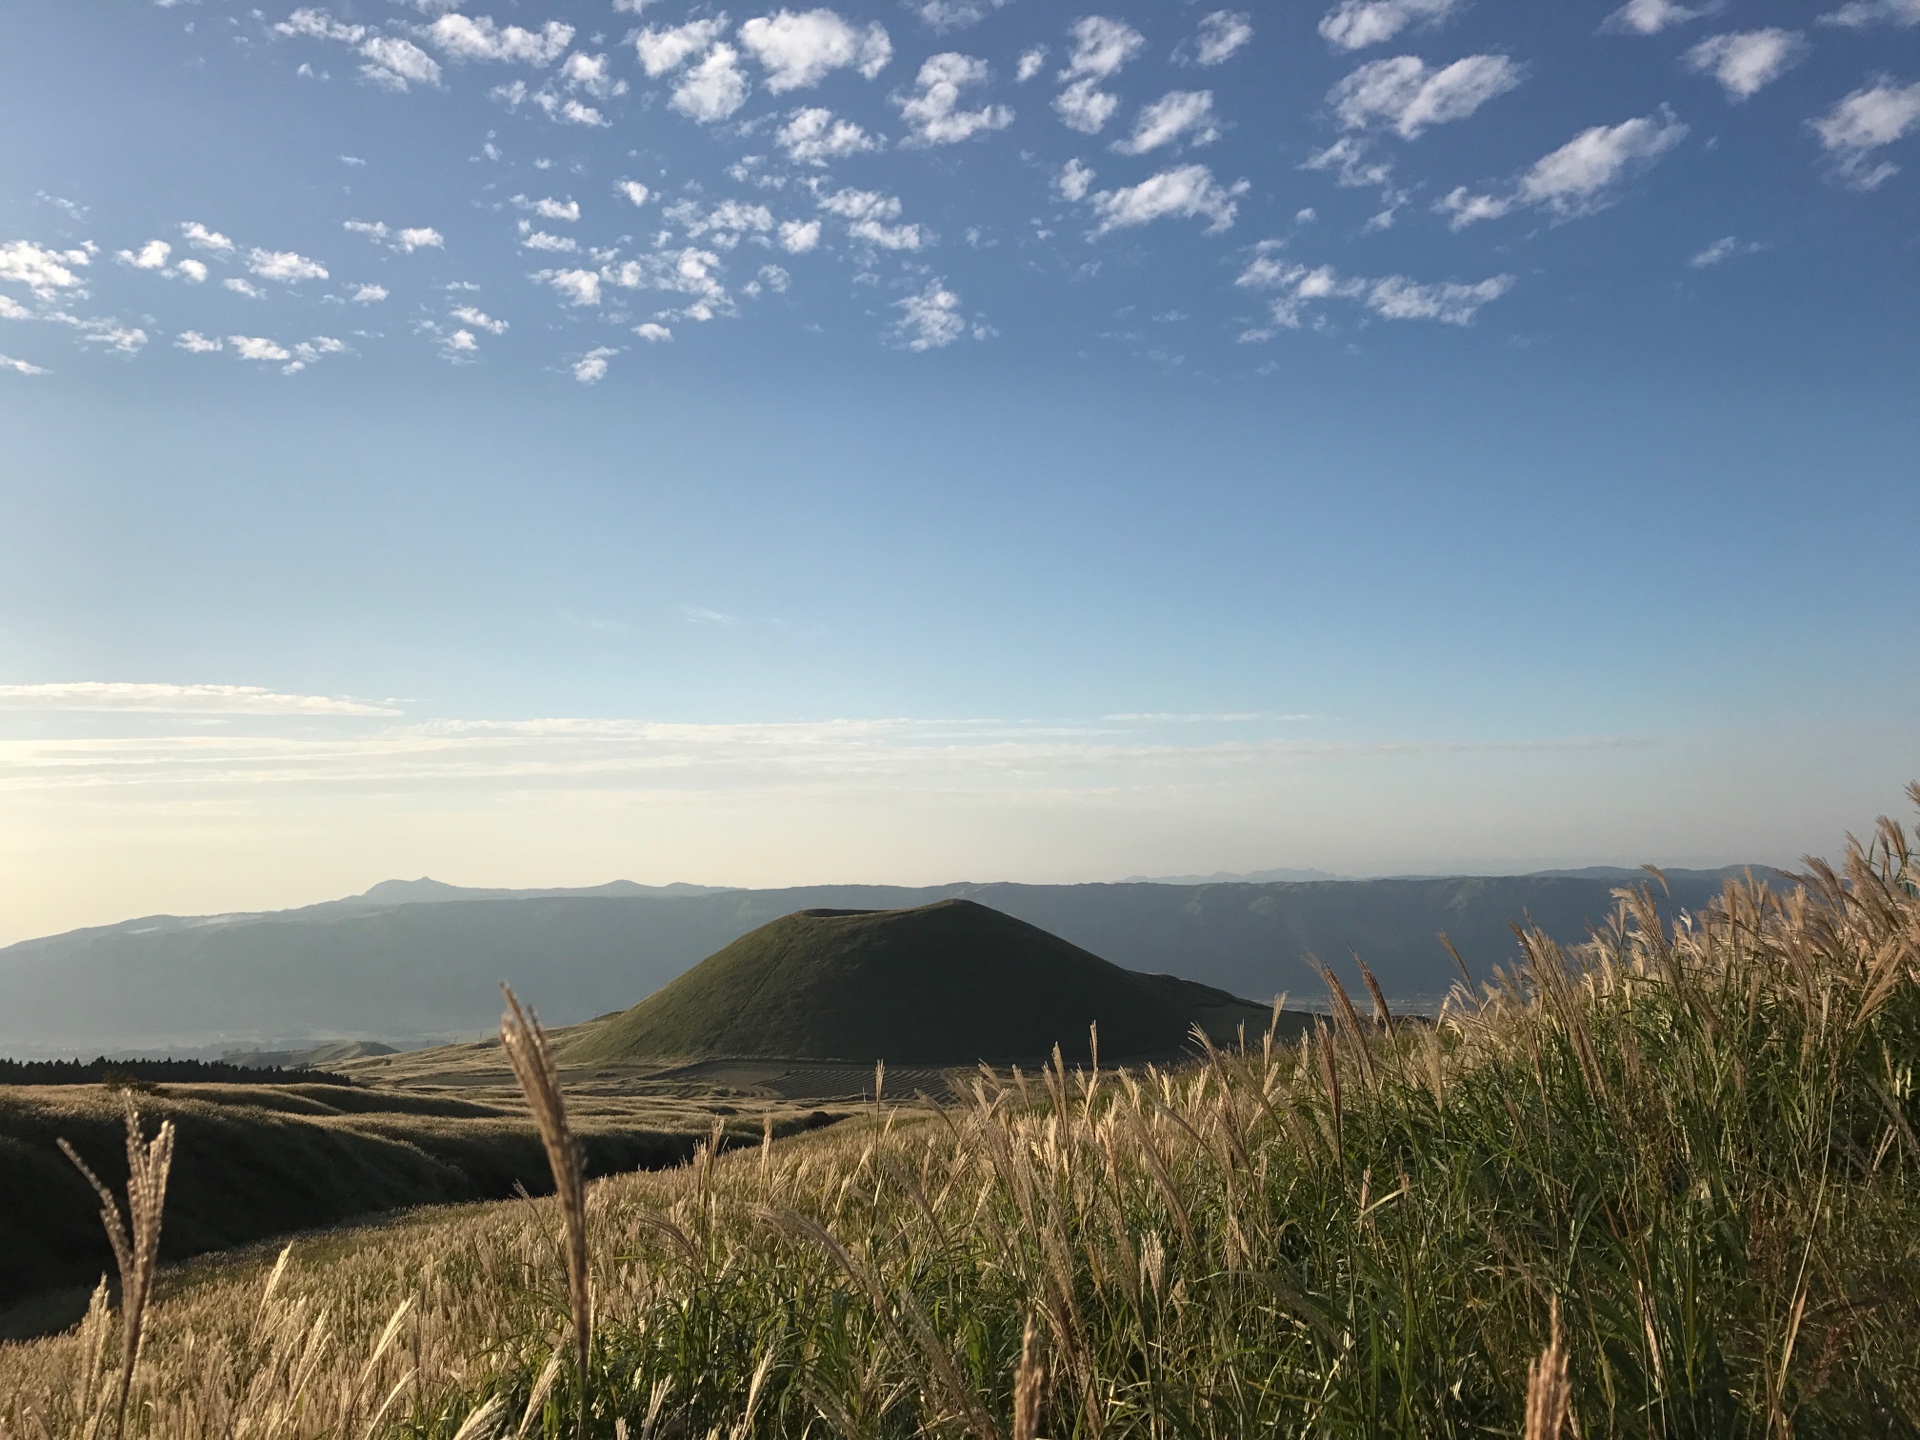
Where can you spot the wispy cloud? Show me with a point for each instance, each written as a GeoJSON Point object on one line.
{"type": "Point", "coordinates": [119, 695]}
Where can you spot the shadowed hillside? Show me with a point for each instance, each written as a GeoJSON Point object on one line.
{"type": "Point", "coordinates": [943, 984]}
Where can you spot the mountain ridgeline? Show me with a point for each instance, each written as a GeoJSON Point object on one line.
{"type": "Point", "coordinates": [949, 983]}
{"type": "Point", "coordinates": [411, 962]}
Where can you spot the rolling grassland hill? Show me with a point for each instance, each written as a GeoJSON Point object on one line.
{"type": "Point", "coordinates": [416, 962]}
{"type": "Point", "coordinates": [950, 983]}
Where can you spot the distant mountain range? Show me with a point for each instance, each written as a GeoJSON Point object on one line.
{"type": "Point", "coordinates": [415, 961]}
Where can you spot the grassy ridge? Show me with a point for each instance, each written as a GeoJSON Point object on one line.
{"type": "Point", "coordinates": [950, 983]}
{"type": "Point", "coordinates": [1699, 1146]}
{"type": "Point", "coordinates": [255, 1161]}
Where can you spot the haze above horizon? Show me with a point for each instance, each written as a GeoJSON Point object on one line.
{"type": "Point", "coordinates": [532, 440]}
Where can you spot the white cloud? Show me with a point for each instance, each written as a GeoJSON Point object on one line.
{"type": "Point", "coordinates": [635, 192]}
{"type": "Point", "coordinates": [1356, 24]}
{"type": "Point", "coordinates": [944, 15]}
{"type": "Point", "coordinates": [244, 287]}
{"type": "Point", "coordinates": [548, 208]}
{"type": "Point", "coordinates": [1184, 192]}
{"type": "Point", "coordinates": [801, 48]}
{"type": "Point", "coordinates": [21, 367]}
{"type": "Point", "coordinates": [368, 294]}
{"type": "Point", "coordinates": [663, 51]}
{"type": "Point", "coordinates": [775, 278]}
{"type": "Point", "coordinates": [1724, 248]}
{"type": "Point", "coordinates": [725, 223]}
{"type": "Point", "coordinates": [150, 256]}
{"type": "Point", "coordinates": [1857, 14]}
{"type": "Point", "coordinates": [201, 238]}
{"type": "Point", "coordinates": [284, 265]}
{"type": "Point", "coordinates": [797, 237]}
{"type": "Point", "coordinates": [532, 239]}
{"type": "Point", "coordinates": [1862, 123]}
{"type": "Point", "coordinates": [713, 89]}
{"type": "Point", "coordinates": [1650, 17]}
{"type": "Point", "coordinates": [813, 137]}
{"type": "Point", "coordinates": [1578, 177]}
{"type": "Point", "coordinates": [1074, 181]}
{"type": "Point", "coordinates": [45, 272]}
{"type": "Point", "coordinates": [1748, 60]}
{"type": "Point", "coordinates": [578, 287]}
{"type": "Point", "coordinates": [593, 74]}
{"type": "Point", "coordinates": [115, 695]}
{"type": "Point", "coordinates": [1031, 63]}
{"type": "Point", "coordinates": [194, 343]}
{"type": "Point", "coordinates": [12, 309]}
{"type": "Point", "coordinates": [480, 320]}
{"type": "Point", "coordinates": [1100, 47]}
{"type": "Point", "coordinates": [1179, 114]}
{"type": "Point", "coordinates": [1392, 297]}
{"type": "Point", "coordinates": [1085, 107]}
{"type": "Point", "coordinates": [930, 320]}
{"type": "Point", "coordinates": [466, 38]}
{"type": "Point", "coordinates": [932, 112]}
{"type": "Point", "coordinates": [394, 64]}
{"type": "Point", "coordinates": [871, 216]}
{"type": "Point", "coordinates": [653, 334]}
{"type": "Point", "coordinates": [254, 347]}
{"type": "Point", "coordinates": [460, 347]}
{"type": "Point", "coordinates": [1407, 96]}
{"type": "Point", "coordinates": [591, 368]}
{"type": "Point", "coordinates": [420, 237]}
{"type": "Point", "coordinates": [313, 24]}
{"type": "Point", "coordinates": [690, 271]}
{"type": "Point", "coordinates": [1220, 35]}
{"type": "Point", "coordinates": [190, 270]}
{"type": "Point", "coordinates": [121, 339]}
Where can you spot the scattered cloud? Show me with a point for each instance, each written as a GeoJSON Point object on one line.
{"type": "Point", "coordinates": [1184, 192]}
{"type": "Point", "coordinates": [1858, 14]}
{"type": "Point", "coordinates": [244, 287]}
{"type": "Point", "coordinates": [723, 224]}
{"type": "Point", "coordinates": [576, 287]}
{"type": "Point", "coordinates": [1100, 47]}
{"type": "Point", "coordinates": [1179, 115]}
{"type": "Point", "coordinates": [396, 64]}
{"type": "Point", "coordinates": [1031, 63]}
{"type": "Point", "coordinates": [663, 51]}
{"type": "Point", "coordinates": [1220, 36]}
{"type": "Point", "coordinates": [653, 334]}
{"type": "Point", "coordinates": [635, 192]}
{"type": "Point", "coordinates": [532, 239]}
{"type": "Point", "coordinates": [194, 343]}
{"type": "Point", "coordinates": [799, 49]}
{"type": "Point", "coordinates": [945, 15]}
{"type": "Point", "coordinates": [111, 695]}
{"type": "Point", "coordinates": [689, 271]}
{"type": "Point", "coordinates": [799, 236]}
{"type": "Point", "coordinates": [479, 320]}
{"type": "Point", "coordinates": [1746, 61]}
{"type": "Point", "coordinates": [712, 90]}
{"type": "Point", "coordinates": [591, 368]}
{"type": "Point", "coordinates": [405, 242]}
{"type": "Point", "coordinates": [1356, 24]}
{"type": "Point", "coordinates": [870, 218]}
{"type": "Point", "coordinates": [44, 271]}
{"type": "Point", "coordinates": [463, 37]}
{"type": "Point", "coordinates": [1650, 17]}
{"type": "Point", "coordinates": [21, 367]}
{"type": "Point", "coordinates": [701, 615]}
{"type": "Point", "coordinates": [284, 265]}
{"type": "Point", "coordinates": [1863, 123]}
{"type": "Point", "coordinates": [548, 208]}
{"type": "Point", "coordinates": [1074, 181]}
{"type": "Point", "coordinates": [368, 294]}
{"type": "Point", "coordinates": [1725, 248]}
{"type": "Point", "coordinates": [932, 111]}
{"type": "Point", "coordinates": [813, 137]}
{"type": "Point", "coordinates": [931, 319]}
{"type": "Point", "coordinates": [201, 238]}
{"type": "Point", "coordinates": [1294, 287]}
{"type": "Point", "coordinates": [1408, 96]}
{"type": "Point", "coordinates": [1580, 176]}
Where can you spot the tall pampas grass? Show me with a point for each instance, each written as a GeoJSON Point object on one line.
{"type": "Point", "coordinates": [135, 1239]}
{"type": "Point", "coordinates": [532, 1059]}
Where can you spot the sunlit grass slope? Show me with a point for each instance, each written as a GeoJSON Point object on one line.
{"type": "Point", "coordinates": [1697, 1145]}
{"type": "Point", "coordinates": [950, 983]}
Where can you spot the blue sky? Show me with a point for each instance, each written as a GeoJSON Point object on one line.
{"type": "Point", "coordinates": [532, 443]}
